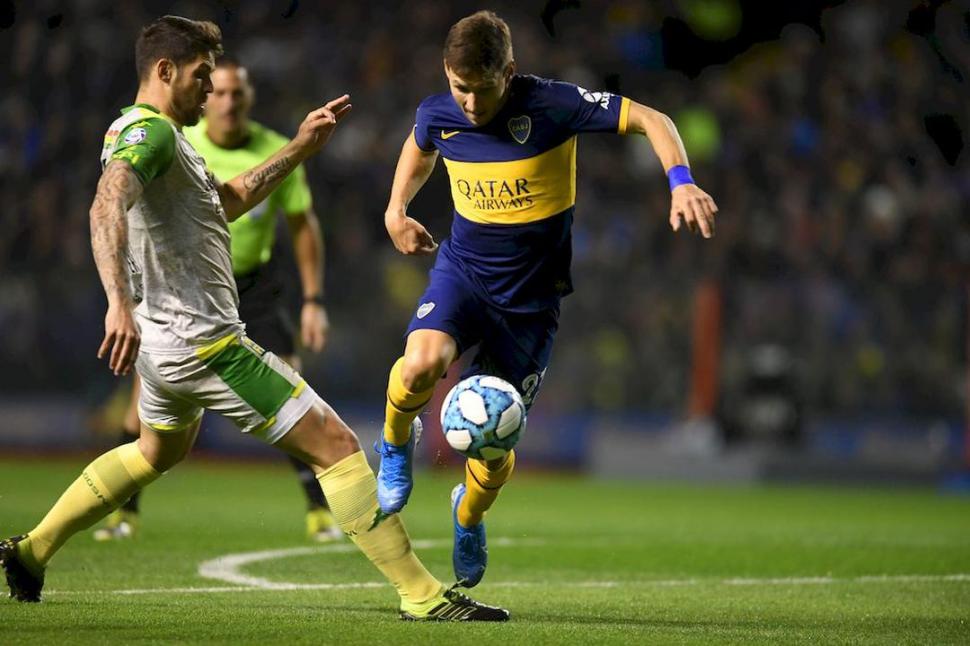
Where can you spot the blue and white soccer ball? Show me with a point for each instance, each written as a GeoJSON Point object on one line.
{"type": "Point", "coordinates": [483, 417]}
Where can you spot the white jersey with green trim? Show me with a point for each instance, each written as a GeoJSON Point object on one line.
{"type": "Point", "coordinates": [178, 251]}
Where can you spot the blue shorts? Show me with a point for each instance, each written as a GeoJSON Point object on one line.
{"type": "Point", "coordinates": [513, 346]}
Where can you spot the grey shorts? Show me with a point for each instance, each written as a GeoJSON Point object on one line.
{"type": "Point", "coordinates": [233, 376]}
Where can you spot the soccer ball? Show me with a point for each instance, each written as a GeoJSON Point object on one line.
{"type": "Point", "coordinates": [483, 417]}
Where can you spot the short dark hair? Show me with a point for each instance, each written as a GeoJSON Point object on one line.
{"type": "Point", "coordinates": [479, 44]}
{"type": "Point", "coordinates": [177, 39]}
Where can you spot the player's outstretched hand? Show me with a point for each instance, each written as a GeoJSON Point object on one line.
{"type": "Point", "coordinates": [121, 339]}
{"type": "Point", "coordinates": [690, 204]}
{"type": "Point", "coordinates": [320, 124]}
{"type": "Point", "coordinates": [409, 236]}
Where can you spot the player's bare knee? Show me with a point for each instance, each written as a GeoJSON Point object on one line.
{"type": "Point", "coordinates": [164, 450]}
{"type": "Point", "coordinates": [162, 455]}
{"type": "Point", "coordinates": [422, 370]}
{"type": "Point", "coordinates": [340, 439]}
{"type": "Point", "coordinates": [320, 438]}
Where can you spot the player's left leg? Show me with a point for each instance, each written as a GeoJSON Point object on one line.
{"type": "Point", "coordinates": [515, 347]}
{"type": "Point", "coordinates": [445, 323]}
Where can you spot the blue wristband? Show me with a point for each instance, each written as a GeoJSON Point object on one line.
{"type": "Point", "coordinates": [678, 175]}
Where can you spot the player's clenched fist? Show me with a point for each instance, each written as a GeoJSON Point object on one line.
{"type": "Point", "coordinates": [320, 124]}
{"type": "Point", "coordinates": [691, 205]}
{"type": "Point", "coordinates": [409, 236]}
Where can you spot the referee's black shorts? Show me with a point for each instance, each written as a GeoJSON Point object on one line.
{"type": "Point", "coordinates": [262, 307]}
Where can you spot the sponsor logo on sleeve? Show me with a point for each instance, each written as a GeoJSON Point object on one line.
{"type": "Point", "coordinates": [136, 136]}
{"type": "Point", "coordinates": [600, 98]}
{"type": "Point", "coordinates": [425, 309]}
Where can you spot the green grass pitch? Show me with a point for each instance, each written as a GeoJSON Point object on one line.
{"type": "Point", "coordinates": [575, 560]}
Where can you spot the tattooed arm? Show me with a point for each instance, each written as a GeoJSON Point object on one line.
{"type": "Point", "coordinates": [117, 191]}
{"type": "Point", "coordinates": [243, 192]}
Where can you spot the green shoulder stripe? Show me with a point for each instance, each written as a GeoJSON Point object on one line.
{"type": "Point", "coordinates": [148, 145]}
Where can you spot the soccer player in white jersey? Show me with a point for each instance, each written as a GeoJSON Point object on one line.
{"type": "Point", "coordinates": [230, 142]}
{"type": "Point", "coordinates": [161, 244]}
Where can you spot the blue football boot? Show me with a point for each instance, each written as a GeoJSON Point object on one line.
{"type": "Point", "coordinates": [394, 479]}
{"type": "Point", "coordinates": [470, 555]}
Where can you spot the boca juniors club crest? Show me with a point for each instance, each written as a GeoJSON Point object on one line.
{"type": "Point", "coordinates": [520, 127]}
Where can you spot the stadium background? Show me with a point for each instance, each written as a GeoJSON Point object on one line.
{"type": "Point", "coordinates": [823, 332]}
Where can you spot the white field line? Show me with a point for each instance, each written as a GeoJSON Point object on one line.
{"type": "Point", "coordinates": [227, 569]}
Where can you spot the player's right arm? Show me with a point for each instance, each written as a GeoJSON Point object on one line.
{"type": "Point", "coordinates": [240, 194]}
{"type": "Point", "coordinates": [143, 151]}
{"type": "Point", "coordinates": [414, 166]}
{"type": "Point", "coordinates": [117, 191]}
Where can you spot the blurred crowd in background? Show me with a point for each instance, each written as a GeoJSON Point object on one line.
{"type": "Point", "coordinates": [834, 150]}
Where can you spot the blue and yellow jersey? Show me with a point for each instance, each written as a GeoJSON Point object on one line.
{"type": "Point", "coordinates": [513, 183]}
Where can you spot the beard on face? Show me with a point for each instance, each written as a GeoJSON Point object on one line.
{"type": "Point", "coordinates": [190, 108]}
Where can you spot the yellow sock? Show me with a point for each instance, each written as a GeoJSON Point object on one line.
{"type": "Point", "coordinates": [402, 406]}
{"type": "Point", "coordinates": [351, 490]}
{"type": "Point", "coordinates": [103, 486]}
{"type": "Point", "coordinates": [482, 487]}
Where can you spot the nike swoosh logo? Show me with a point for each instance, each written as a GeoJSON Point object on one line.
{"type": "Point", "coordinates": [449, 135]}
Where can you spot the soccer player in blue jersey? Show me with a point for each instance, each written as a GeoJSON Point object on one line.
{"type": "Point", "coordinates": [509, 144]}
